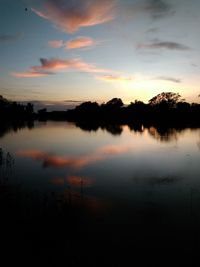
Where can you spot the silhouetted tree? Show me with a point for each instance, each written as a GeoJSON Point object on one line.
{"type": "Point", "coordinates": [183, 106]}
{"type": "Point", "coordinates": [87, 106]}
{"type": "Point", "coordinates": [114, 102]}
{"type": "Point", "coordinates": [29, 108]}
{"type": "Point", "coordinates": [168, 99]}
{"type": "Point", "coordinates": [42, 111]}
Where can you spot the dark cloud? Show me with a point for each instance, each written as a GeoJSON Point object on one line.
{"type": "Point", "coordinates": [164, 45]}
{"type": "Point", "coordinates": [194, 65]}
{"type": "Point", "coordinates": [73, 101]}
{"type": "Point", "coordinates": [170, 79]}
{"type": "Point", "coordinates": [4, 38]}
{"type": "Point", "coordinates": [163, 180]}
{"type": "Point", "coordinates": [158, 8]}
{"type": "Point", "coordinates": [152, 30]}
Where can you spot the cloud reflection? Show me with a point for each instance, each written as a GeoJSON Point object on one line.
{"type": "Point", "coordinates": [72, 180]}
{"type": "Point", "coordinates": [78, 181]}
{"type": "Point", "coordinates": [49, 160]}
{"type": "Point", "coordinates": [57, 181]}
{"type": "Point", "coordinates": [89, 203]}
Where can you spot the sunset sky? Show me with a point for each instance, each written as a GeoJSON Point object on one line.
{"type": "Point", "coordinates": [59, 53]}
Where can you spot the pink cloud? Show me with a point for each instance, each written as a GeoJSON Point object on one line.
{"type": "Point", "coordinates": [70, 15]}
{"type": "Point", "coordinates": [59, 64]}
{"type": "Point", "coordinates": [29, 74]}
{"type": "Point", "coordinates": [50, 66]}
{"type": "Point", "coordinates": [55, 43]}
{"type": "Point", "coordinates": [115, 78]}
{"type": "Point", "coordinates": [80, 42]}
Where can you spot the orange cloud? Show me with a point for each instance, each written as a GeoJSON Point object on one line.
{"type": "Point", "coordinates": [49, 66]}
{"type": "Point", "coordinates": [70, 15]}
{"type": "Point", "coordinates": [55, 43]}
{"type": "Point", "coordinates": [115, 78]}
{"type": "Point", "coordinates": [80, 42]}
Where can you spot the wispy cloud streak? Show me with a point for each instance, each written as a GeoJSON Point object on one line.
{"type": "Point", "coordinates": [164, 45]}
{"type": "Point", "coordinates": [114, 78]}
{"type": "Point", "coordinates": [158, 8]}
{"type": "Point", "coordinates": [55, 43]}
{"type": "Point", "coordinates": [4, 38]}
{"type": "Point", "coordinates": [167, 78]}
{"type": "Point", "coordinates": [79, 42]}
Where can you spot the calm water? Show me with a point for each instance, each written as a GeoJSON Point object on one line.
{"type": "Point", "coordinates": [137, 191]}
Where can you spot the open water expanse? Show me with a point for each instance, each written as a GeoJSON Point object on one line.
{"type": "Point", "coordinates": [114, 196]}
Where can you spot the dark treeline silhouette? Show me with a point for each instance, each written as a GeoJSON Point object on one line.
{"type": "Point", "coordinates": [13, 111]}
{"type": "Point", "coordinates": [166, 109]}
{"type": "Point", "coordinates": [15, 116]}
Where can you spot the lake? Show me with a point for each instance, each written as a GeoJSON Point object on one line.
{"type": "Point", "coordinates": [117, 196]}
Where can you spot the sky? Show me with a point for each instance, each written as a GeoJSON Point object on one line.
{"type": "Point", "coordinates": [59, 53]}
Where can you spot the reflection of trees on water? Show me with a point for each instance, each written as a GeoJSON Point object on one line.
{"type": "Point", "coordinates": [89, 127]}
{"type": "Point", "coordinates": [198, 143]}
{"type": "Point", "coordinates": [138, 128]}
{"type": "Point", "coordinates": [113, 129]}
{"type": "Point", "coordinates": [8, 127]}
{"type": "Point", "coordinates": [6, 166]}
{"type": "Point", "coordinates": [164, 134]}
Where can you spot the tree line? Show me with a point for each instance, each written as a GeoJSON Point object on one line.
{"type": "Point", "coordinates": [11, 110]}
{"type": "Point", "coordinates": [164, 108]}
